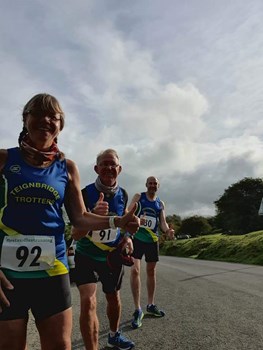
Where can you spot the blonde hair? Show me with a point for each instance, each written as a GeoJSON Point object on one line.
{"type": "Point", "coordinates": [44, 102]}
{"type": "Point", "coordinates": [47, 103]}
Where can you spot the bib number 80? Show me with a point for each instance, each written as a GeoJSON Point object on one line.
{"type": "Point", "coordinates": [148, 222]}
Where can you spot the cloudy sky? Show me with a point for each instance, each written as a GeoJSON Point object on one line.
{"type": "Point", "coordinates": [174, 86]}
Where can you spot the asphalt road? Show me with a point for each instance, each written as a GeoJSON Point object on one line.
{"type": "Point", "coordinates": [209, 306]}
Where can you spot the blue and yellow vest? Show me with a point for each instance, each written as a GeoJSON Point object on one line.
{"type": "Point", "coordinates": [95, 245]}
{"type": "Point", "coordinates": [151, 210]}
{"type": "Point", "coordinates": [31, 202]}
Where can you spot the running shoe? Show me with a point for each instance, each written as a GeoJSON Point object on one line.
{"type": "Point", "coordinates": [119, 342]}
{"type": "Point", "coordinates": [154, 311]}
{"type": "Point", "coordinates": [137, 318]}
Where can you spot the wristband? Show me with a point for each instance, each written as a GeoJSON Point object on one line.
{"type": "Point", "coordinates": [111, 222]}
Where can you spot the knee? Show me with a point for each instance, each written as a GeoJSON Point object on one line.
{"type": "Point", "coordinates": [62, 344]}
{"type": "Point", "coordinates": [151, 271]}
{"type": "Point", "coordinates": [135, 271]}
{"type": "Point", "coordinates": [113, 298]}
{"type": "Point", "coordinates": [89, 304]}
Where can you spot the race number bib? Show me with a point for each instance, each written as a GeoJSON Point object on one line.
{"type": "Point", "coordinates": [28, 253]}
{"type": "Point", "coordinates": [104, 236]}
{"type": "Point", "coordinates": [148, 222]}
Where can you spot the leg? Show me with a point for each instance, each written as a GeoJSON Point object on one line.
{"type": "Point", "coordinates": [152, 309]}
{"type": "Point", "coordinates": [151, 281]}
{"type": "Point", "coordinates": [114, 310]}
{"type": "Point", "coordinates": [14, 332]}
{"type": "Point", "coordinates": [55, 331]}
{"type": "Point", "coordinates": [116, 340]}
{"type": "Point", "coordinates": [89, 324]}
{"type": "Point", "coordinates": [111, 284]}
{"type": "Point", "coordinates": [135, 282]}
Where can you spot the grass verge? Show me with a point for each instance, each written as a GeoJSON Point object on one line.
{"type": "Point", "coordinates": [247, 249]}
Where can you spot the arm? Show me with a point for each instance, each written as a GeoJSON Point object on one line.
{"type": "Point", "coordinates": [101, 208]}
{"type": "Point", "coordinates": [84, 221]}
{"type": "Point", "coordinates": [3, 158]}
{"type": "Point", "coordinates": [134, 200]}
{"type": "Point", "coordinates": [3, 280]}
{"type": "Point", "coordinates": [164, 226]}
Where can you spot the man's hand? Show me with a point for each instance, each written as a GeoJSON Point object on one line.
{"type": "Point", "coordinates": [170, 233]}
{"type": "Point", "coordinates": [127, 245]}
{"type": "Point", "coordinates": [7, 285]}
{"type": "Point", "coordinates": [143, 219]}
{"type": "Point", "coordinates": [101, 207]}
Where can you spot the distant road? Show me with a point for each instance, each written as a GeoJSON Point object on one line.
{"type": "Point", "coordinates": [209, 306]}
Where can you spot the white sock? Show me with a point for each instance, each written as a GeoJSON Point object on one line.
{"type": "Point", "coordinates": [112, 334]}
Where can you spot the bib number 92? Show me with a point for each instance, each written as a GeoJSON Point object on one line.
{"type": "Point", "coordinates": [28, 253]}
{"type": "Point", "coordinates": [23, 254]}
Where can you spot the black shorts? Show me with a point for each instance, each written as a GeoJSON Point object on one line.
{"type": "Point", "coordinates": [43, 296]}
{"type": "Point", "coordinates": [150, 250]}
{"type": "Point", "coordinates": [92, 271]}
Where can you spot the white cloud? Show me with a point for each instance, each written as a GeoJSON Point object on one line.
{"type": "Point", "coordinates": [175, 87]}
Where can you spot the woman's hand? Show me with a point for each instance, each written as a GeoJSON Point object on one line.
{"type": "Point", "coordinates": [129, 222]}
{"type": "Point", "coordinates": [7, 285]}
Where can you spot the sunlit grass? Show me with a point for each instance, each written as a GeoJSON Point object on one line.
{"type": "Point", "coordinates": [247, 249]}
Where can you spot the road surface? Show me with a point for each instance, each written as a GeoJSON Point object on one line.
{"type": "Point", "coordinates": [209, 306]}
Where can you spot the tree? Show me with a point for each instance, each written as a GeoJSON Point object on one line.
{"type": "Point", "coordinates": [237, 208]}
{"type": "Point", "coordinates": [195, 226]}
{"type": "Point", "coordinates": [174, 221]}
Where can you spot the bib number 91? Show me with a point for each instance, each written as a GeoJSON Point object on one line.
{"type": "Point", "coordinates": [104, 236]}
